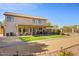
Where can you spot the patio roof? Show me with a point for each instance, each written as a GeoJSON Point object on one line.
{"type": "Point", "coordinates": [35, 26]}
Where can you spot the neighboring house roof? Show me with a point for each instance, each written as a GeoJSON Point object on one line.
{"type": "Point", "coordinates": [22, 15]}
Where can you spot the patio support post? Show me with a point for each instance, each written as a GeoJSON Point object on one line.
{"type": "Point", "coordinates": [31, 31]}
{"type": "Point", "coordinates": [17, 30]}
{"type": "Point", "coordinates": [42, 31]}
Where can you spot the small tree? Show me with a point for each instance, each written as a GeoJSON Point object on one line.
{"type": "Point", "coordinates": [0, 23]}
{"type": "Point", "coordinates": [48, 24]}
{"type": "Point", "coordinates": [56, 29]}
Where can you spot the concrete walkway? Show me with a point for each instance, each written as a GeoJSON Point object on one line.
{"type": "Point", "coordinates": [9, 41]}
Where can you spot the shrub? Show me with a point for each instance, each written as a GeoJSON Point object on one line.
{"type": "Point", "coordinates": [56, 31]}
{"type": "Point", "coordinates": [65, 53]}
{"type": "Point", "coordinates": [68, 34]}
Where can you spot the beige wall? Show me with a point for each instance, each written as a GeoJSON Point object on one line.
{"type": "Point", "coordinates": [23, 21]}
{"type": "Point", "coordinates": [9, 27]}
{"type": "Point", "coordinates": [27, 21]}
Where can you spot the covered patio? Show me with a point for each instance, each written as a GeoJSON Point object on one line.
{"type": "Point", "coordinates": [33, 30]}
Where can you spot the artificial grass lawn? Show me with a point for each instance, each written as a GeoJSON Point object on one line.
{"type": "Point", "coordinates": [32, 38]}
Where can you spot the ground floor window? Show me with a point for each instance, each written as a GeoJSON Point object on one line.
{"type": "Point", "coordinates": [23, 29]}
{"type": "Point", "coordinates": [19, 29]}
{"type": "Point", "coordinates": [10, 34]}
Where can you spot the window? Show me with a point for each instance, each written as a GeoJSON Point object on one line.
{"type": "Point", "coordinates": [39, 21]}
{"type": "Point", "coordinates": [43, 21]}
{"type": "Point", "coordinates": [10, 18]}
{"type": "Point", "coordinates": [34, 21]}
{"type": "Point", "coordinates": [24, 30]}
{"type": "Point", "coordinates": [19, 29]}
{"type": "Point", "coordinates": [40, 28]}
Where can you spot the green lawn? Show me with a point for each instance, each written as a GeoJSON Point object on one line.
{"type": "Point", "coordinates": [32, 38]}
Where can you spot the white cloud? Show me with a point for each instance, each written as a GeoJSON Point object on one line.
{"type": "Point", "coordinates": [17, 6]}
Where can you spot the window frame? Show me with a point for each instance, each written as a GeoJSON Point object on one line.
{"type": "Point", "coordinates": [34, 22]}
{"type": "Point", "coordinates": [10, 18]}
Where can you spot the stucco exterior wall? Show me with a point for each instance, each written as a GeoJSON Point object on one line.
{"type": "Point", "coordinates": [22, 21]}
{"type": "Point", "coordinates": [9, 26]}
{"type": "Point", "coordinates": [12, 26]}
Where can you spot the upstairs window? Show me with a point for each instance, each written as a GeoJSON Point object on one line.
{"type": "Point", "coordinates": [39, 21]}
{"type": "Point", "coordinates": [10, 18]}
{"type": "Point", "coordinates": [43, 21]}
{"type": "Point", "coordinates": [34, 22]}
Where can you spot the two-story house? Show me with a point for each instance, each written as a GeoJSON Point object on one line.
{"type": "Point", "coordinates": [19, 24]}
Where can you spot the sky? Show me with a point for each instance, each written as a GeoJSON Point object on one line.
{"type": "Point", "coordinates": [60, 14]}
